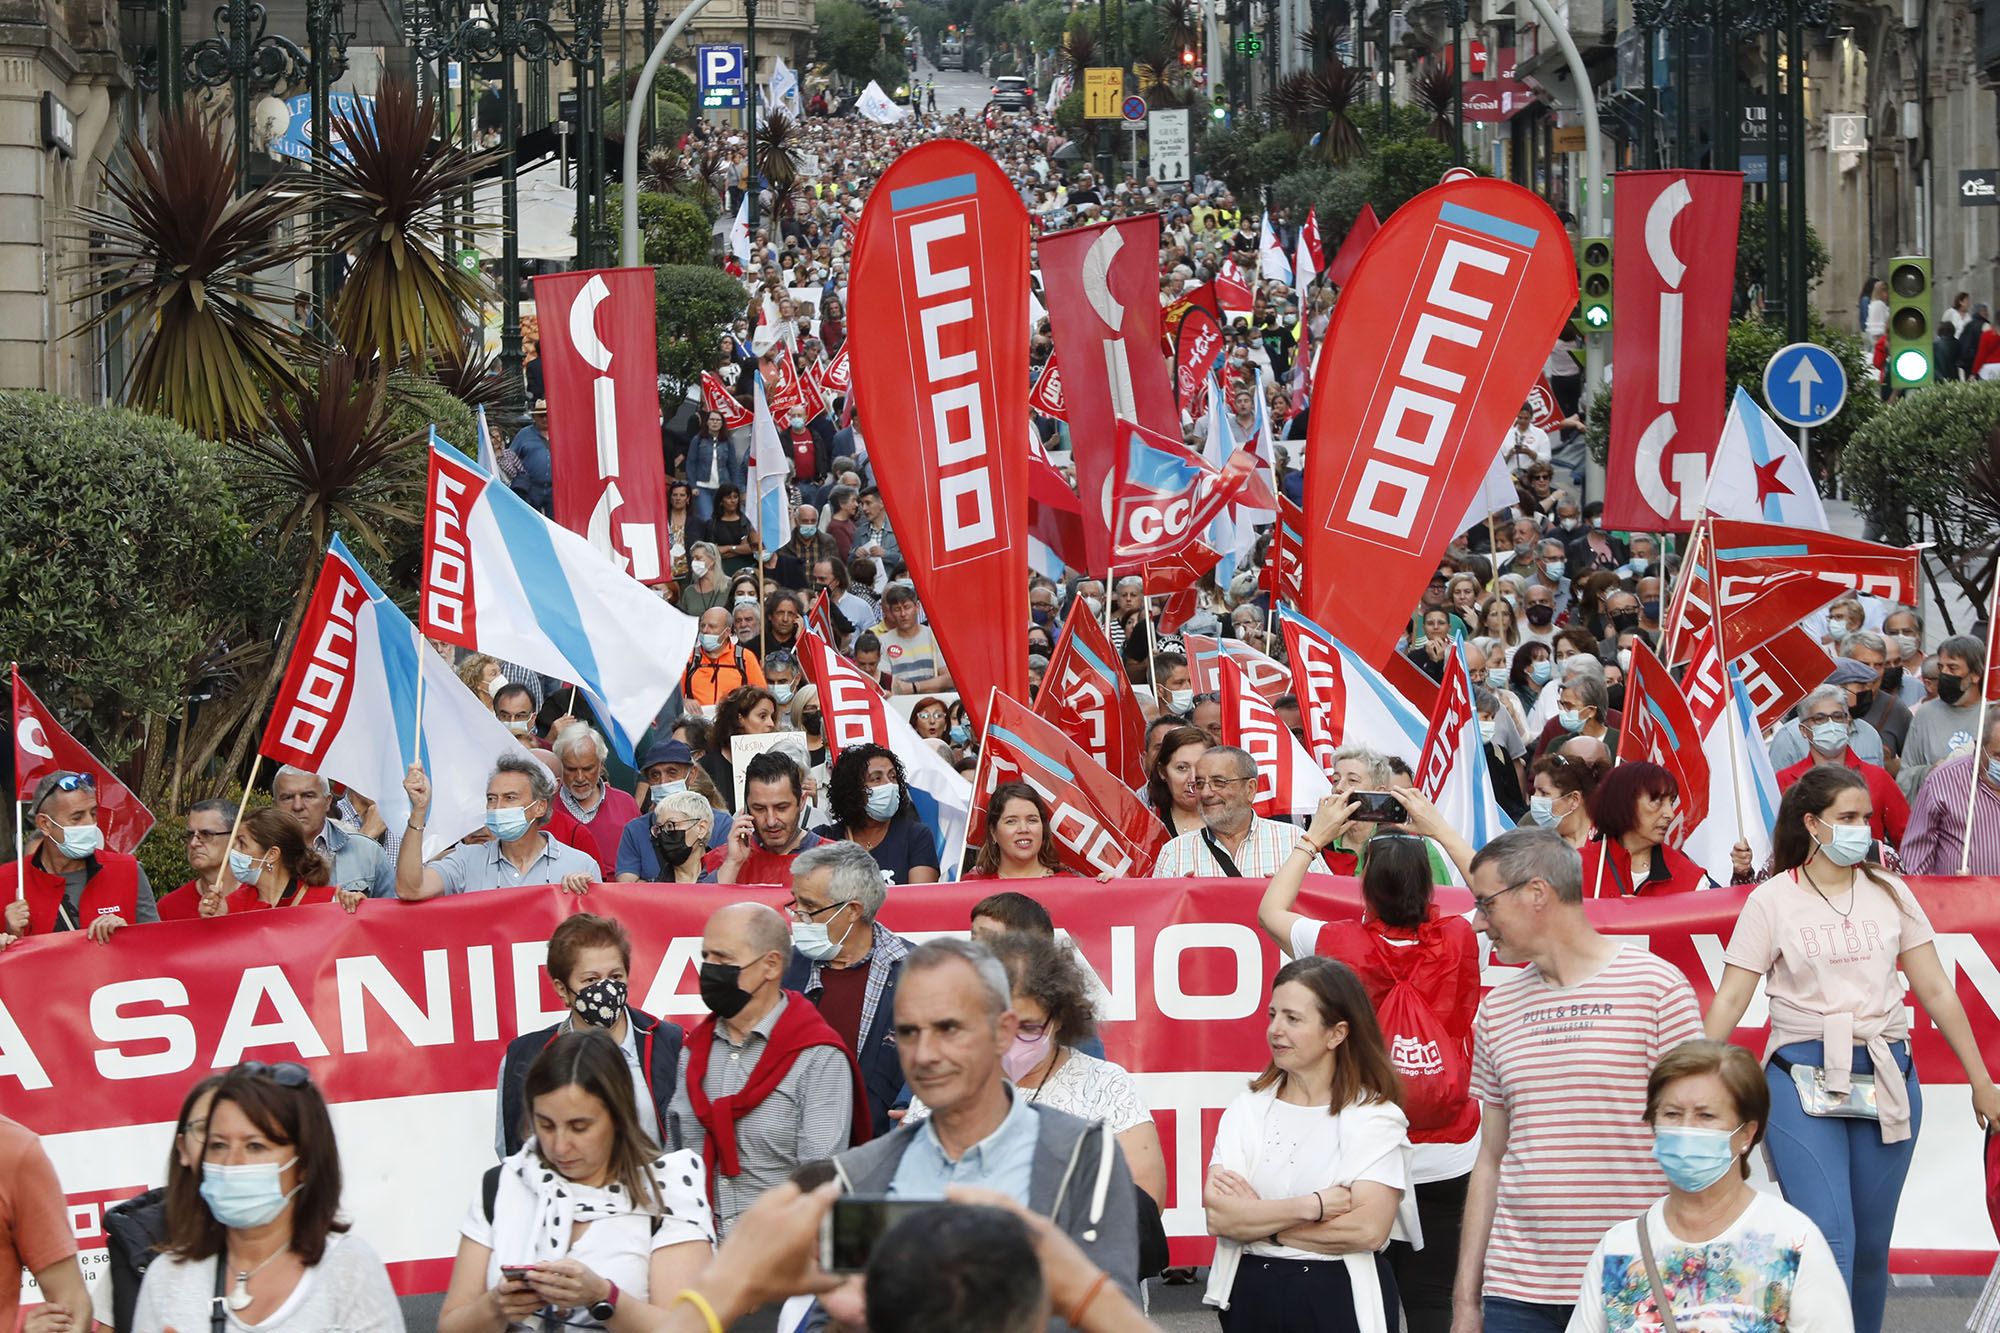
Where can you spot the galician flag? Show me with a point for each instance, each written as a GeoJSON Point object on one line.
{"type": "Point", "coordinates": [1758, 473]}
{"type": "Point", "coordinates": [739, 233]}
{"type": "Point", "coordinates": [1271, 261]}
{"type": "Point", "coordinates": [769, 468]}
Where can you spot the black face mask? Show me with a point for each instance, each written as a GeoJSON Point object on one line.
{"type": "Point", "coordinates": [810, 719]}
{"type": "Point", "coordinates": [719, 991]}
{"type": "Point", "coordinates": [1892, 680]}
{"type": "Point", "coordinates": [1626, 620]}
{"type": "Point", "coordinates": [672, 846]}
{"type": "Point", "coordinates": [1950, 687]}
{"type": "Point", "coordinates": [1541, 617]}
{"type": "Point", "coordinates": [1863, 701]}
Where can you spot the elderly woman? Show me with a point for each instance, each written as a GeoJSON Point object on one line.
{"type": "Point", "coordinates": [666, 846]}
{"type": "Point", "coordinates": [1583, 708]}
{"type": "Point", "coordinates": [704, 587]}
{"type": "Point", "coordinates": [1345, 849]}
{"type": "Point", "coordinates": [1714, 1251]}
{"type": "Point", "coordinates": [1634, 808]}
{"type": "Point", "coordinates": [590, 814]}
{"type": "Point", "coordinates": [264, 1236]}
{"type": "Point", "coordinates": [870, 800]}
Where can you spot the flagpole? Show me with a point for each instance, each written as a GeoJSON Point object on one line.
{"type": "Point", "coordinates": [20, 852]}
{"type": "Point", "coordinates": [1675, 604]}
{"type": "Point", "coordinates": [763, 643]}
{"type": "Point", "coordinates": [256, 765]}
{"type": "Point", "coordinates": [1152, 644]}
{"type": "Point", "coordinates": [420, 697]}
{"type": "Point", "coordinates": [965, 829]}
{"type": "Point", "coordinates": [1978, 739]}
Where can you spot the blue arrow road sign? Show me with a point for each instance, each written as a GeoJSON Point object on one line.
{"type": "Point", "coordinates": [1805, 385]}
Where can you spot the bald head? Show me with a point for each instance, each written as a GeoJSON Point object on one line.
{"type": "Point", "coordinates": [1588, 750]}
{"type": "Point", "coordinates": [756, 928]}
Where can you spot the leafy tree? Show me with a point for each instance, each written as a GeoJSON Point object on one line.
{"type": "Point", "coordinates": [121, 548]}
{"type": "Point", "coordinates": [1927, 467]}
{"type": "Point", "coordinates": [672, 230]}
{"type": "Point", "coordinates": [695, 303]}
{"type": "Point", "coordinates": [849, 38]}
{"type": "Point", "coordinates": [1750, 243]}
{"type": "Point", "coordinates": [671, 82]}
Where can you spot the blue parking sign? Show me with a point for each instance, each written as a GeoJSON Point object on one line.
{"type": "Point", "coordinates": [720, 66]}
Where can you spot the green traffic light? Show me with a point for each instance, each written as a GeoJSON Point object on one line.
{"type": "Point", "coordinates": [1597, 316]}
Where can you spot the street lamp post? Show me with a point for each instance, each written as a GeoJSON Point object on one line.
{"type": "Point", "coordinates": [504, 34]}
{"type": "Point", "coordinates": [328, 42]}
{"type": "Point", "coordinates": [247, 59]}
{"type": "Point", "coordinates": [750, 102]}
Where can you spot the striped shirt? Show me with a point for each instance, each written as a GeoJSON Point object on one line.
{"type": "Point", "coordinates": [1186, 855]}
{"type": "Point", "coordinates": [1935, 838]}
{"type": "Point", "coordinates": [1569, 1067]}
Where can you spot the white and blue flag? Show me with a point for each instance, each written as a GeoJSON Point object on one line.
{"type": "Point", "coordinates": [502, 579]}
{"type": "Point", "coordinates": [769, 468]}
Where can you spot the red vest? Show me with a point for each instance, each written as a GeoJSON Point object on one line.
{"type": "Point", "coordinates": [114, 887]}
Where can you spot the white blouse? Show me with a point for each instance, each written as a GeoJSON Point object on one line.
{"type": "Point", "coordinates": [348, 1291]}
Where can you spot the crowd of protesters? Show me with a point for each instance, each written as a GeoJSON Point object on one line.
{"type": "Point", "coordinates": [1574, 1157]}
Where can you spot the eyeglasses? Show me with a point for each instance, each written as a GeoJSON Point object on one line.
{"type": "Point", "coordinates": [204, 835]}
{"type": "Point", "coordinates": [286, 1075]}
{"type": "Point", "coordinates": [798, 911]}
{"type": "Point", "coordinates": [1033, 1031]}
{"type": "Point", "coordinates": [1484, 906]}
{"type": "Point", "coordinates": [1204, 784]}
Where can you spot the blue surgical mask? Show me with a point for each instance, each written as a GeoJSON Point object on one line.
{"type": "Point", "coordinates": [811, 939]}
{"type": "Point", "coordinates": [1556, 568]}
{"type": "Point", "coordinates": [1180, 702]}
{"type": "Point", "coordinates": [1541, 670]}
{"type": "Point", "coordinates": [1694, 1159]}
{"type": "Point", "coordinates": [1830, 737]}
{"type": "Point", "coordinates": [808, 529]}
{"type": "Point", "coordinates": [508, 822]}
{"type": "Point", "coordinates": [247, 1195]}
{"type": "Point", "coordinates": [783, 693]}
{"type": "Point", "coordinates": [1639, 563]}
{"type": "Point", "coordinates": [1849, 844]}
{"type": "Point", "coordinates": [80, 840]}
{"type": "Point", "coordinates": [1542, 809]}
{"type": "Point", "coordinates": [245, 868]}
{"type": "Point", "coordinates": [1993, 771]}
{"type": "Point", "coordinates": [711, 643]}
{"type": "Point", "coordinates": [1570, 720]}
{"type": "Point", "coordinates": [659, 790]}
{"type": "Point", "coordinates": [1496, 677]}
{"type": "Point", "coordinates": [959, 734]}
{"type": "Point", "coordinates": [884, 801]}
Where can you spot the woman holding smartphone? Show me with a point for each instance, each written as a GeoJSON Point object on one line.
{"type": "Point", "coordinates": [590, 1220]}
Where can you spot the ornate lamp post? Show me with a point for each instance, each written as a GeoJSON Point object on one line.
{"type": "Point", "coordinates": [247, 59]}
{"type": "Point", "coordinates": [328, 40]}
{"type": "Point", "coordinates": [484, 35]}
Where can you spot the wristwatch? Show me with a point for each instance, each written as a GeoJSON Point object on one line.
{"type": "Point", "coordinates": [602, 1310]}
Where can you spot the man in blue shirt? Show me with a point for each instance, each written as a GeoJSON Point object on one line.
{"type": "Point", "coordinates": [535, 482]}
{"type": "Point", "coordinates": [954, 1022]}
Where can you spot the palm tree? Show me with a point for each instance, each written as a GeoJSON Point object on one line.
{"type": "Point", "coordinates": [197, 274]}
{"type": "Point", "coordinates": [777, 160]}
{"type": "Point", "coordinates": [389, 182]}
{"type": "Point", "coordinates": [1432, 91]}
{"type": "Point", "coordinates": [1316, 102]}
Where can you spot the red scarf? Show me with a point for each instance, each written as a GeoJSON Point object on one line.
{"type": "Point", "coordinates": [112, 887]}
{"type": "Point", "coordinates": [799, 1028]}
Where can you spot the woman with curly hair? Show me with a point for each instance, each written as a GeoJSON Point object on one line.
{"type": "Point", "coordinates": [870, 800]}
{"type": "Point", "coordinates": [749, 711]}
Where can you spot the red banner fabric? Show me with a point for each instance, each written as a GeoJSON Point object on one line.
{"type": "Point", "coordinates": [852, 709]}
{"type": "Point", "coordinates": [1444, 738]}
{"type": "Point", "coordinates": [1433, 348]}
{"type": "Point", "coordinates": [940, 365]}
{"type": "Point", "coordinates": [1778, 674]}
{"type": "Point", "coordinates": [715, 397]}
{"type": "Point", "coordinates": [1087, 696]}
{"type": "Point", "coordinates": [1674, 233]}
{"type": "Point", "coordinates": [1348, 257]}
{"type": "Point", "coordinates": [402, 1011]}
{"type": "Point", "coordinates": [1096, 820]}
{"type": "Point", "coordinates": [600, 365]}
{"type": "Point", "coordinates": [1288, 781]}
{"type": "Point", "coordinates": [1268, 678]}
{"type": "Point", "coordinates": [1197, 347]}
{"type": "Point", "coordinates": [42, 747]}
{"type": "Point", "coordinates": [1542, 398]}
{"type": "Point", "coordinates": [1164, 495]}
{"type": "Point", "coordinates": [1046, 398]}
{"type": "Point", "coordinates": [1284, 563]}
{"type": "Point", "coordinates": [837, 376]}
{"type": "Point", "coordinates": [1659, 728]}
{"type": "Point", "coordinates": [1103, 286]}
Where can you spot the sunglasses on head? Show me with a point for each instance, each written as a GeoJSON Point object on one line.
{"type": "Point", "coordinates": [73, 781]}
{"type": "Point", "coordinates": [286, 1075]}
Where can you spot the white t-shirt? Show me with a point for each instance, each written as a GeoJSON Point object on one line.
{"type": "Point", "coordinates": [1770, 1272]}
{"type": "Point", "coordinates": [1305, 1149]}
{"type": "Point", "coordinates": [348, 1291]}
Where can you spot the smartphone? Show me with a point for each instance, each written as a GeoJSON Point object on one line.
{"type": "Point", "coordinates": [1378, 807]}
{"type": "Point", "coordinates": [516, 1272]}
{"type": "Point", "coordinates": [850, 1230]}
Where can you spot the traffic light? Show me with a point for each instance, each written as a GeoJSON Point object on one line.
{"type": "Point", "coordinates": [1187, 55]}
{"type": "Point", "coordinates": [1593, 263]}
{"type": "Point", "coordinates": [1220, 111]}
{"type": "Point", "coordinates": [1909, 321]}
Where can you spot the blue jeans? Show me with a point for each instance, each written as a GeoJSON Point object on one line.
{"type": "Point", "coordinates": [1505, 1316]}
{"type": "Point", "coordinates": [1841, 1175]}
{"type": "Point", "coordinates": [704, 504]}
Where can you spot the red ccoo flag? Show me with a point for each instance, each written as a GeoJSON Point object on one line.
{"type": "Point", "coordinates": [1086, 694]}
{"type": "Point", "coordinates": [1659, 728]}
{"type": "Point", "coordinates": [1348, 257]}
{"type": "Point", "coordinates": [1098, 824]}
{"type": "Point", "coordinates": [715, 397]}
{"type": "Point", "coordinates": [42, 747]}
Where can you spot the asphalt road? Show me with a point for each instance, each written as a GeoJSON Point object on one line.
{"type": "Point", "coordinates": [1916, 1305]}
